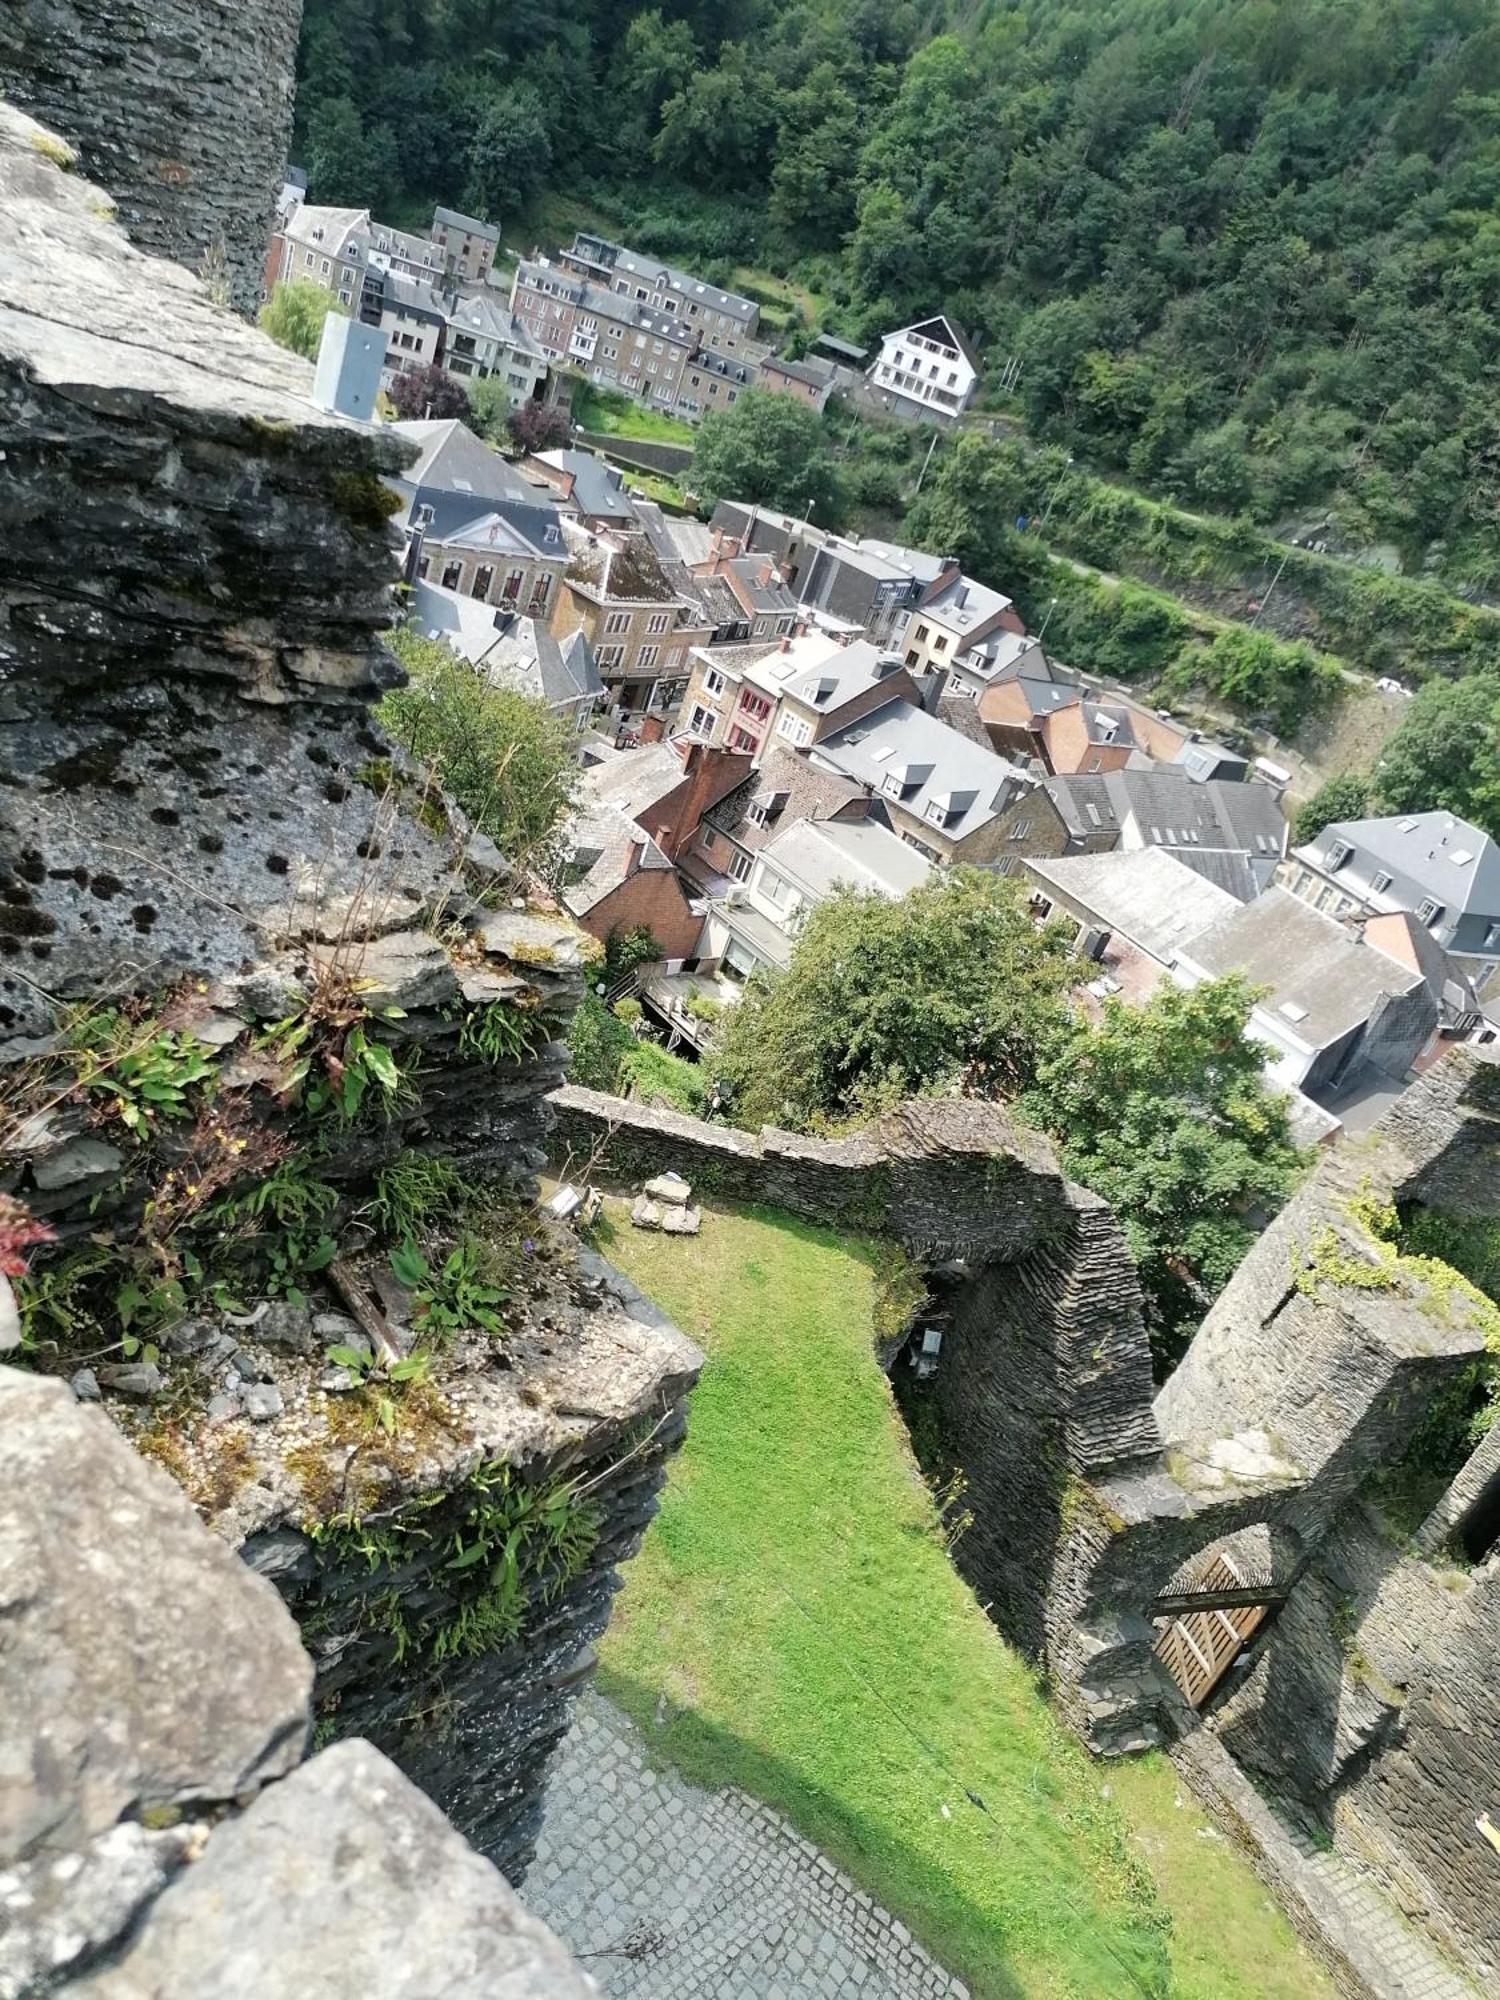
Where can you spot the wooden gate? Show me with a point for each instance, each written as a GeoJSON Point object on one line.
{"type": "Point", "coordinates": [1198, 1648]}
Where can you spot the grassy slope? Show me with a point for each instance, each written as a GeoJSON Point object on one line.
{"type": "Point", "coordinates": [792, 1593]}
{"type": "Point", "coordinates": [618, 415]}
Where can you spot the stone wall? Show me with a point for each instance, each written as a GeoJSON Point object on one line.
{"type": "Point", "coordinates": [252, 968]}
{"type": "Point", "coordinates": [1370, 1698]}
{"type": "Point", "coordinates": [180, 109]}
{"type": "Point", "coordinates": [157, 1835]}
{"type": "Point", "coordinates": [1045, 1376]}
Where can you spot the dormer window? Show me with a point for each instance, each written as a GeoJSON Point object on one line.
{"type": "Point", "coordinates": [1429, 910]}
{"type": "Point", "coordinates": [1339, 853]}
{"type": "Point", "coordinates": [1380, 882]}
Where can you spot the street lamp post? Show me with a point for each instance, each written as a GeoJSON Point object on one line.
{"type": "Point", "coordinates": [1052, 501]}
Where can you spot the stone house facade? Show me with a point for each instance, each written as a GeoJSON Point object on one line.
{"type": "Point", "coordinates": [641, 629]}
{"type": "Point", "coordinates": [609, 338]}
{"type": "Point", "coordinates": [467, 244]}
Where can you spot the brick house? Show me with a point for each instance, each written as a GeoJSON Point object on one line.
{"type": "Point", "coordinates": [620, 880]}
{"type": "Point", "coordinates": [810, 380]}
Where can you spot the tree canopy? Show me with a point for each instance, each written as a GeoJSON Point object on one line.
{"type": "Point", "coordinates": [1163, 1109]}
{"type": "Point", "coordinates": [1243, 251]}
{"type": "Point", "coordinates": [294, 314]}
{"type": "Point", "coordinates": [952, 987]}
{"type": "Point", "coordinates": [504, 758]}
{"type": "Point", "coordinates": [770, 449]}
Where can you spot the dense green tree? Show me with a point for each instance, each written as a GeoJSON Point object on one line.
{"type": "Point", "coordinates": [772, 449]}
{"type": "Point", "coordinates": [503, 756]}
{"type": "Point", "coordinates": [488, 409]}
{"type": "Point", "coordinates": [294, 314]}
{"type": "Point", "coordinates": [1245, 250]}
{"type": "Point", "coordinates": [713, 129]}
{"type": "Point", "coordinates": [1346, 796]}
{"type": "Point", "coordinates": [511, 153]}
{"type": "Point", "coordinates": [1163, 1109]}
{"type": "Point", "coordinates": [1446, 754]}
{"type": "Point", "coordinates": [951, 988]}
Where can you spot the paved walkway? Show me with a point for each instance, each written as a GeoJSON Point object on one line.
{"type": "Point", "coordinates": [667, 1892]}
{"type": "Point", "coordinates": [1327, 1899]}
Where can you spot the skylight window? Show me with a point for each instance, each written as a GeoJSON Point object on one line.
{"type": "Point", "coordinates": [1293, 1010]}
{"type": "Point", "coordinates": [1406, 826]}
{"type": "Point", "coordinates": [1460, 857]}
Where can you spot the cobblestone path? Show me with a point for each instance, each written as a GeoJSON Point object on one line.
{"type": "Point", "coordinates": [671, 1893]}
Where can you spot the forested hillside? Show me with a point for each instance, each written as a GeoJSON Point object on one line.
{"type": "Point", "coordinates": [1247, 252]}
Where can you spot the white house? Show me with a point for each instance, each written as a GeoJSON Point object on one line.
{"type": "Point", "coordinates": [926, 370]}
{"type": "Point", "coordinates": [485, 338]}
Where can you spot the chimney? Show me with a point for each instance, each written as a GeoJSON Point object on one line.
{"type": "Point", "coordinates": [765, 572]}
{"type": "Point", "coordinates": [653, 728]}
{"type": "Point", "coordinates": [932, 687]}
{"type": "Point", "coordinates": [634, 858]}
{"type": "Point", "coordinates": [785, 646]}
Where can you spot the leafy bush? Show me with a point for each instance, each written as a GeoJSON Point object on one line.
{"type": "Point", "coordinates": [501, 754]}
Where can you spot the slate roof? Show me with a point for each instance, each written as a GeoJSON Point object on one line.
{"type": "Point", "coordinates": [853, 854]}
{"type": "Point", "coordinates": [1318, 980]}
{"type": "Point", "coordinates": [601, 837]}
{"type": "Point", "coordinates": [811, 794]}
{"type": "Point", "coordinates": [824, 680]}
{"type": "Point", "coordinates": [598, 489]}
{"type": "Point", "coordinates": [1148, 896]}
{"type": "Point", "coordinates": [1425, 848]}
{"type": "Point", "coordinates": [453, 460]}
{"type": "Point", "coordinates": [1232, 833]}
{"type": "Point", "coordinates": [815, 373]}
{"type": "Point", "coordinates": [607, 304]}
{"type": "Point", "coordinates": [675, 537]}
{"type": "Point", "coordinates": [506, 648]}
{"type": "Point", "coordinates": [938, 771]}
{"type": "Point", "coordinates": [651, 270]}
{"type": "Point", "coordinates": [488, 317]}
{"type": "Point", "coordinates": [961, 605]}
{"type": "Point", "coordinates": [470, 224]}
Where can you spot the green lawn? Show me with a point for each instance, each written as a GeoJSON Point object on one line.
{"type": "Point", "coordinates": [793, 1625]}
{"type": "Point", "coordinates": [612, 411]}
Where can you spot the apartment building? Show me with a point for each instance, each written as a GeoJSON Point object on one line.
{"type": "Point", "coordinates": [609, 338]}
{"type": "Point", "coordinates": [942, 792]}
{"type": "Point", "coordinates": [953, 619]}
{"type": "Point", "coordinates": [1433, 866]}
{"type": "Point", "coordinates": [641, 628]}
{"type": "Point", "coordinates": [330, 246]}
{"type": "Point", "coordinates": [474, 525]}
{"type": "Point", "coordinates": [413, 317]}
{"type": "Point", "coordinates": [856, 585]}
{"type": "Point", "coordinates": [723, 322]}
{"type": "Point", "coordinates": [800, 692]}
{"type": "Point", "coordinates": [486, 340]}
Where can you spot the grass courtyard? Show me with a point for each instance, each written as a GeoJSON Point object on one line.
{"type": "Point", "coordinates": [615, 414]}
{"type": "Point", "coordinates": [793, 1625]}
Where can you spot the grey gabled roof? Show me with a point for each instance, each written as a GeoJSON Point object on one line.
{"type": "Point", "coordinates": [1424, 848]}
{"type": "Point", "coordinates": [598, 489]}
{"type": "Point", "coordinates": [470, 224]}
{"type": "Point", "coordinates": [1148, 896]}
{"type": "Point", "coordinates": [453, 460]}
{"type": "Point", "coordinates": [942, 767]}
{"type": "Point", "coordinates": [857, 854]}
{"type": "Point", "coordinates": [1318, 980]}
{"type": "Point", "coordinates": [950, 332]}
{"type": "Point", "coordinates": [506, 648]}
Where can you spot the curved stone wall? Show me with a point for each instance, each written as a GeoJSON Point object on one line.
{"type": "Point", "coordinates": [180, 109]}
